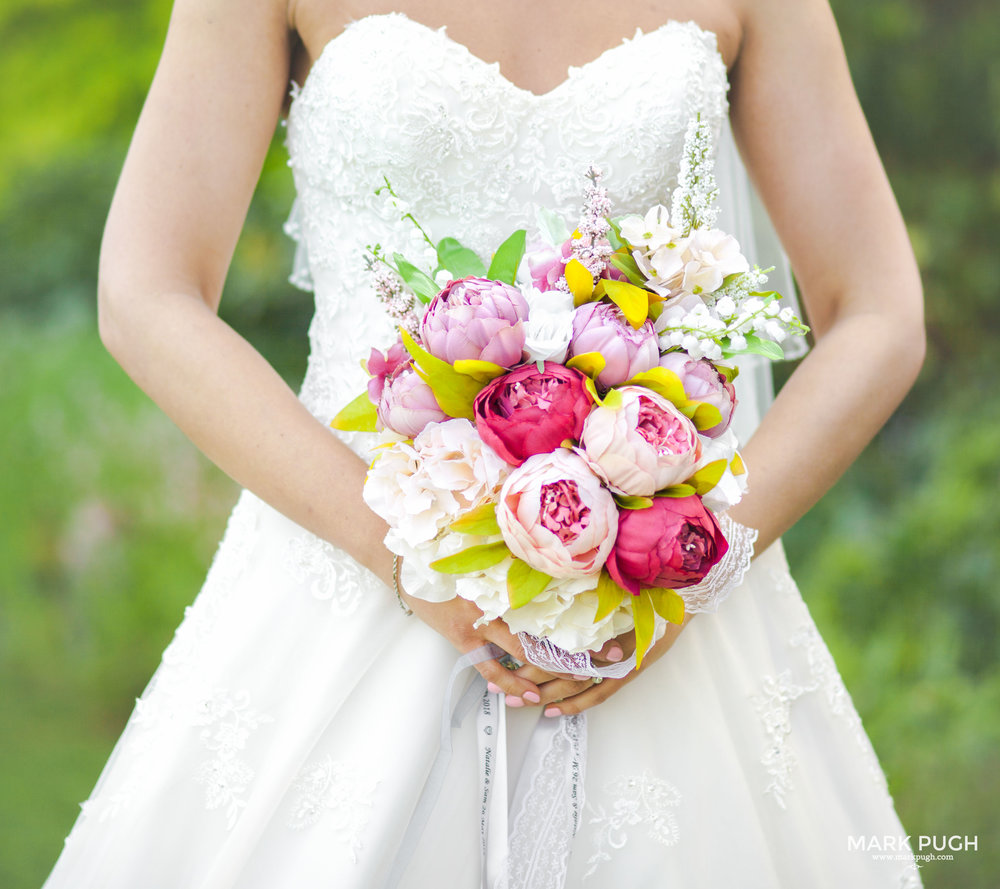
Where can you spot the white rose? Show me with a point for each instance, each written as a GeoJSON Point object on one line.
{"type": "Point", "coordinates": [550, 324]}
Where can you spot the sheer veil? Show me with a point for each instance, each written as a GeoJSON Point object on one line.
{"type": "Point", "coordinates": [743, 215]}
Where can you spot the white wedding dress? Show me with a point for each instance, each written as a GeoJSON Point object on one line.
{"type": "Point", "coordinates": [286, 737]}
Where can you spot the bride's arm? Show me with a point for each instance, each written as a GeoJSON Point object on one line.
{"type": "Point", "coordinates": [808, 148]}
{"type": "Point", "coordinates": [174, 221]}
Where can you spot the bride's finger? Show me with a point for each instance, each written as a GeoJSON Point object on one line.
{"type": "Point", "coordinates": [615, 650]}
{"type": "Point", "coordinates": [563, 689]}
{"type": "Point", "coordinates": [577, 703]}
{"type": "Point", "coordinates": [519, 691]}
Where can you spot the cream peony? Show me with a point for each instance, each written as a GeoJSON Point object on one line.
{"type": "Point", "coordinates": [643, 444]}
{"type": "Point", "coordinates": [421, 488]}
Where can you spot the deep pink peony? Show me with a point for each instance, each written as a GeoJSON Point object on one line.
{"type": "Point", "coordinates": [601, 327]}
{"type": "Point", "coordinates": [476, 318]}
{"type": "Point", "coordinates": [703, 382]}
{"type": "Point", "coordinates": [530, 412]}
{"type": "Point", "coordinates": [407, 404]}
{"type": "Point", "coordinates": [555, 514]}
{"type": "Point", "coordinates": [672, 544]}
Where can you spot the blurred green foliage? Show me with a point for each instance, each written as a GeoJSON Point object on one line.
{"type": "Point", "coordinates": [110, 517]}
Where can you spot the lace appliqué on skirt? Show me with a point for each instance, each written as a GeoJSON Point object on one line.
{"type": "Point", "coordinates": [638, 801]}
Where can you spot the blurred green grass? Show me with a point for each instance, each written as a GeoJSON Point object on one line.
{"type": "Point", "coordinates": [110, 518]}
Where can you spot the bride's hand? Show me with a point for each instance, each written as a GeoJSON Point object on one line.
{"type": "Point", "coordinates": [567, 696]}
{"type": "Point", "coordinates": [454, 620]}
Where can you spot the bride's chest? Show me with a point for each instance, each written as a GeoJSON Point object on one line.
{"type": "Point", "coordinates": [392, 98]}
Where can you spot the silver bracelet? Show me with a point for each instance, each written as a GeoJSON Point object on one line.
{"type": "Point", "coordinates": [395, 585]}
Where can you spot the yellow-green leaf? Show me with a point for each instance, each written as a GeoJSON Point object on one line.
{"type": "Point", "coordinates": [579, 279]}
{"type": "Point", "coordinates": [609, 596]}
{"type": "Point", "coordinates": [737, 465]}
{"type": "Point", "coordinates": [524, 583]}
{"type": "Point", "coordinates": [627, 501]}
{"type": "Point", "coordinates": [668, 604]}
{"type": "Point", "coordinates": [480, 371]}
{"type": "Point", "coordinates": [589, 363]}
{"type": "Point", "coordinates": [663, 382]}
{"type": "Point", "coordinates": [706, 415]}
{"type": "Point", "coordinates": [453, 391]}
{"type": "Point", "coordinates": [644, 618]}
{"type": "Point", "coordinates": [677, 491]}
{"type": "Point", "coordinates": [707, 477]}
{"type": "Point", "coordinates": [613, 400]}
{"type": "Point", "coordinates": [591, 387]}
{"type": "Point", "coordinates": [481, 520]}
{"type": "Point", "coordinates": [474, 558]}
{"type": "Point", "coordinates": [358, 416]}
{"type": "Point", "coordinates": [632, 300]}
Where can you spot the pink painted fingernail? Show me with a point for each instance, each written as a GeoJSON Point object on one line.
{"type": "Point", "coordinates": [583, 678]}
{"type": "Point", "coordinates": [532, 696]}
{"type": "Point", "coordinates": [552, 711]}
{"type": "Point", "coordinates": [615, 654]}
{"type": "Point", "coordinates": [493, 688]}
{"type": "Point", "coordinates": [514, 701]}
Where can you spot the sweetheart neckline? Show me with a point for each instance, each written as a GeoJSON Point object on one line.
{"type": "Point", "coordinates": [527, 94]}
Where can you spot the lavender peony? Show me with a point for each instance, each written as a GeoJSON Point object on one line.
{"type": "Point", "coordinates": [703, 382]}
{"type": "Point", "coordinates": [476, 318]}
{"type": "Point", "coordinates": [601, 327]}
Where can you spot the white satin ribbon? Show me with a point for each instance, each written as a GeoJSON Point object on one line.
{"type": "Point", "coordinates": [532, 851]}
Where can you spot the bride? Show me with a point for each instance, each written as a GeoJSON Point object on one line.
{"type": "Point", "coordinates": [286, 737]}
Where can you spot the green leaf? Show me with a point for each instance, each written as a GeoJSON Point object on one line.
{"type": "Point", "coordinates": [677, 491]}
{"type": "Point", "coordinates": [632, 300]}
{"type": "Point", "coordinates": [628, 501]}
{"type": "Point", "coordinates": [551, 226]}
{"type": "Point", "coordinates": [626, 264]}
{"type": "Point", "coordinates": [609, 596]}
{"type": "Point", "coordinates": [358, 416]}
{"type": "Point", "coordinates": [615, 235]}
{"type": "Point", "coordinates": [459, 259]}
{"type": "Point", "coordinates": [524, 583]}
{"type": "Point", "coordinates": [481, 520]}
{"type": "Point", "coordinates": [644, 618]}
{"type": "Point", "coordinates": [419, 282]}
{"type": "Point", "coordinates": [707, 477]}
{"type": "Point", "coordinates": [453, 391]}
{"type": "Point", "coordinates": [668, 604]}
{"type": "Point", "coordinates": [474, 558]}
{"type": "Point", "coordinates": [757, 346]}
{"type": "Point", "coordinates": [508, 258]}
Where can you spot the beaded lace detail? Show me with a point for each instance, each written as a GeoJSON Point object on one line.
{"type": "Point", "coordinates": [473, 154]}
{"type": "Point", "coordinates": [637, 801]}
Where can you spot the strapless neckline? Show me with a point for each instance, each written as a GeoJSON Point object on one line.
{"type": "Point", "coordinates": [572, 71]}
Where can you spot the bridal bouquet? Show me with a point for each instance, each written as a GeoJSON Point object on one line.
{"type": "Point", "coordinates": [556, 427]}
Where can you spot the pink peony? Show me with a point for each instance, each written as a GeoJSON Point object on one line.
{"type": "Point", "coordinates": [407, 404]}
{"type": "Point", "coordinates": [381, 367]}
{"type": "Point", "coordinates": [672, 544]}
{"type": "Point", "coordinates": [530, 412]}
{"type": "Point", "coordinates": [642, 446]}
{"type": "Point", "coordinates": [555, 514]}
{"type": "Point", "coordinates": [476, 318]}
{"type": "Point", "coordinates": [601, 327]}
{"type": "Point", "coordinates": [547, 264]}
{"type": "Point", "coordinates": [703, 382]}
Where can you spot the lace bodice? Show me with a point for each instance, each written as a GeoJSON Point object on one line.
{"type": "Point", "coordinates": [472, 155]}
